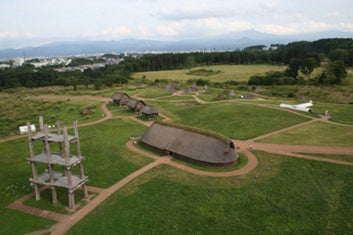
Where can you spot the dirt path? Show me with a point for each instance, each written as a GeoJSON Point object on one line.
{"type": "Point", "coordinates": [198, 99]}
{"type": "Point", "coordinates": [107, 113]}
{"type": "Point", "coordinates": [252, 163]}
{"type": "Point", "coordinates": [65, 224]}
{"type": "Point", "coordinates": [18, 205]}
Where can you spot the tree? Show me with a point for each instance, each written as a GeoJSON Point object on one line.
{"type": "Point", "coordinates": [190, 62]}
{"type": "Point", "coordinates": [340, 54]}
{"type": "Point", "coordinates": [336, 72]}
{"type": "Point", "coordinates": [293, 67]}
{"type": "Point", "coordinates": [308, 65]}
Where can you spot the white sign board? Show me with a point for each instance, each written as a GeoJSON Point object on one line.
{"type": "Point", "coordinates": [24, 130]}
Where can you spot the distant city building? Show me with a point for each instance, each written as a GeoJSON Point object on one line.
{"type": "Point", "coordinates": [19, 62]}
{"type": "Point", "coordinates": [4, 66]}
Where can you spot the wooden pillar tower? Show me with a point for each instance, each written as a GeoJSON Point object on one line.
{"type": "Point", "coordinates": [63, 159]}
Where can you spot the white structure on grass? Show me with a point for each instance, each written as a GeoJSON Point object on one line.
{"type": "Point", "coordinates": [300, 107]}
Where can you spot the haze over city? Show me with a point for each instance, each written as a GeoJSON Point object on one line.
{"type": "Point", "coordinates": [35, 22]}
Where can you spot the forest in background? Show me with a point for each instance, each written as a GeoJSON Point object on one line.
{"type": "Point", "coordinates": [328, 57]}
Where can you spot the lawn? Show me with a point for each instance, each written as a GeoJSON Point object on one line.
{"type": "Point", "coordinates": [177, 98]}
{"type": "Point", "coordinates": [16, 110]}
{"type": "Point", "coordinates": [318, 133]}
{"type": "Point", "coordinates": [107, 162]}
{"type": "Point", "coordinates": [281, 196]}
{"type": "Point", "coordinates": [14, 174]}
{"type": "Point", "coordinates": [227, 73]}
{"type": "Point", "coordinates": [340, 157]}
{"type": "Point", "coordinates": [338, 112]}
{"type": "Point", "coordinates": [154, 93]}
{"type": "Point", "coordinates": [237, 121]}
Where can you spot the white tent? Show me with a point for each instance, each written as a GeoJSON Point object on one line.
{"type": "Point", "coordinates": [24, 130]}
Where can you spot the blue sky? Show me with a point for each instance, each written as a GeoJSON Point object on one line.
{"type": "Point", "coordinates": [34, 22]}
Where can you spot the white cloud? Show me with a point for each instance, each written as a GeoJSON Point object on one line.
{"type": "Point", "coordinates": [303, 27]}
{"type": "Point", "coordinates": [346, 26]}
{"type": "Point", "coordinates": [316, 26]}
{"type": "Point", "coordinates": [240, 25]}
{"type": "Point", "coordinates": [120, 31]}
{"type": "Point", "coordinates": [278, 29]}
{"type": "Point", "coordinates": [15, 35]}
{"type": "Point", "coordinates": [172, 29]}
{"type": "Point", "coordinates": [195, 12]}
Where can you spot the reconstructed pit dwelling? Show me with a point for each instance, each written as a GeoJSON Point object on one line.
{"type": "Point", "coordinates": [195, 145]}
{"type": "Point", "coordinates": [61, 160]}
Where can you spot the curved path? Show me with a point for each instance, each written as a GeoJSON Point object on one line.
{"type": "Point", "coordinates": [252, 163]}
{"type": "Point", "coordinates": [65, 222]}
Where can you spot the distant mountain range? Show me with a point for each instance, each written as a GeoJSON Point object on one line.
{"type": "Point", "coordinates": [229, 42]}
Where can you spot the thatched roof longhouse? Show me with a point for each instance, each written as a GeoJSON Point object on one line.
{"type": "Point", "coordinates": [190, 144]}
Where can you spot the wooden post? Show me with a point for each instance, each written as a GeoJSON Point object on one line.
{"type": "Point", "coordinates": [58, 131]}
{"type": "Point", "coordinates": [46, 144]}
{"type": "Point", "coordinates": [69, 177]}
{"type": "Point", "coordinates": [66, 147]}
{"type": "Point", "coordinates": [82, 173]}
{"type": "Point", "coordinates": [71, 199]}
{"type": "Point", "coordinates": [41, 124]}
{"type": "Point", "coordinates": [78, 145]}
{"type": "Point", "coordinates": [84, 191]}
{"type": "Point", "coordinates": [50, 166]}
{"type": "Point", "coordinates": [33, 164]}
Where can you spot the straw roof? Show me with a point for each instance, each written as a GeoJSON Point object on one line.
{"type": "Point", "coordinates": [118, 95]}
{"type": "Point", "coordinates": [132, 103]}
{"type": "Point", "coordinates": [148, 110]}
{"type": "Point", "coordinates": [190, 144]}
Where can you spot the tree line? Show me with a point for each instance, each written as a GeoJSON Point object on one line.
{"type": "Point", "coordinates": [301, 58]}
{"type": "Point", "coordinates": [27, 76]}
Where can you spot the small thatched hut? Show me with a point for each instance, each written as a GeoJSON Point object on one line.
{"type": "Point", "coordinates": [194, 87]}
{"type": "Point", "coordinates": [171, 88]}
{"type": "Point", "coordinates": [135, 105]}
{"type": "Point", "coordinates": [149, 111]}
{"type": "Point", "coordinates": [191, 144]}
{"type": "Point", "coordinates": [120, 98]}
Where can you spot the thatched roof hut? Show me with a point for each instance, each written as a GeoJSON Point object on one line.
{"type": "Point", "coordinates": [171, 88]}
{"type": "Point", "coordinates": [191, 144]}
{"type": "Point", "coordinates": [149, 111]}
{"type": "Point", "coordinates": [194, 87]}
{"type": "Point", "coordinates": [120, 98]}
{"type": "Point", "coordinates": [135, 105]}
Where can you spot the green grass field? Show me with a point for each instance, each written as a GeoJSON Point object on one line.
{"type": "Point", "coordinates": [318, 133]}
{"type": "Point", "coordinates": [284, 196]}
{"type": "Point", "coordinates": [107, 161]}
{"type": "Point", "coordinates": [338, 112]}
{"type": "Point", "coordinates": [341, 157]}
{"type": "Point", "coordinates": [228, 73]}
{"type": "Point", "coordinates": [16, 111]}
{"type": "Point", "coordinates": [237, 121]}
{"type": "Point", "coordinates": [14, 174]}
